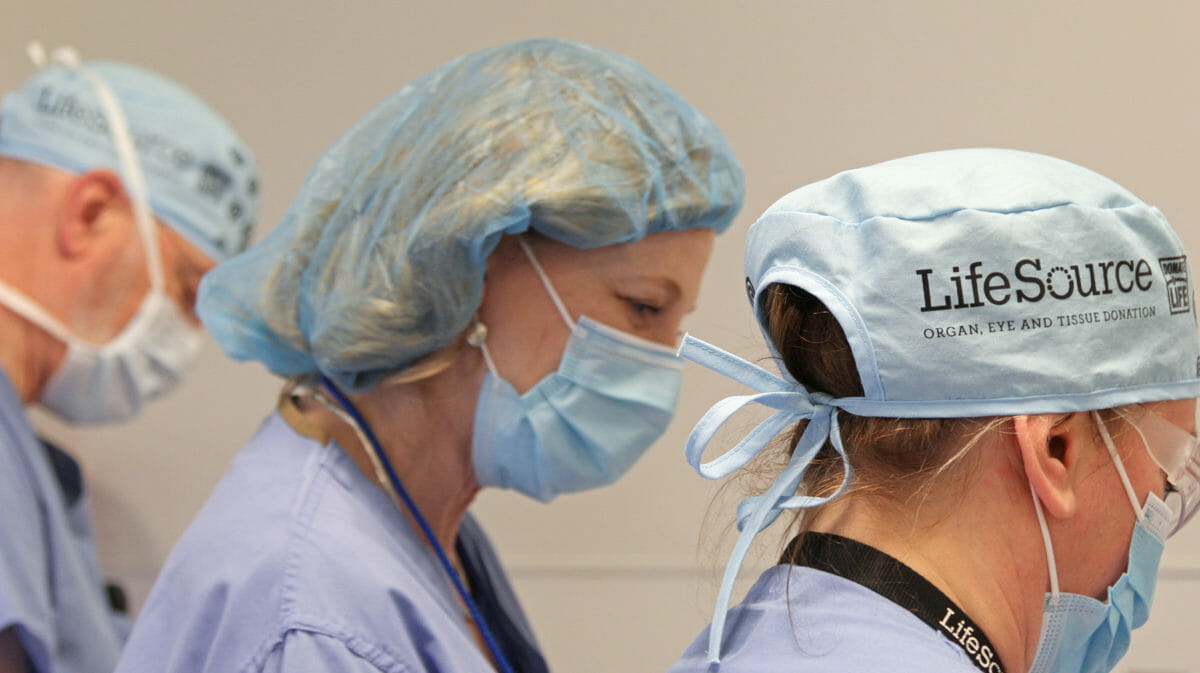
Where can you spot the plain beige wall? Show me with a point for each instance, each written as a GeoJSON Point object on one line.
{"type": "Point", "coordinates": [613, 580]}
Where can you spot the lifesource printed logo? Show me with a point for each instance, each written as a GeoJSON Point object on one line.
{"type": "Point", "coordinates": [1034, 287]}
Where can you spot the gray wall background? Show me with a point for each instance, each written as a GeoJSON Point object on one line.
{"type": "Point", "coordinates": [623, 579]}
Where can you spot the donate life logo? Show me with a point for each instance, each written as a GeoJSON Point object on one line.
{"type": "Point", "coordinates": [1179, 291]}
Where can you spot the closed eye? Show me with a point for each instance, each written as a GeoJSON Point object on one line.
{"type": "Point", "coordinates": [641, 308]}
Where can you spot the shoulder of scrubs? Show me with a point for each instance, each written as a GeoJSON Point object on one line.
{"type": "Point", "coordinates": [298, 553]}
{"type": "Point", "coordinates": [50, 586]}
{"type": "Point", "coordinates": [801, 619]}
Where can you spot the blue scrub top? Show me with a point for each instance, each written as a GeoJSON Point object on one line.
{"type": "Point", "coordinates": [50, 585]}
{"type": "Point", "coordinates": [799, 619]}
{"type": "Point", "coordinates": [299, 562]}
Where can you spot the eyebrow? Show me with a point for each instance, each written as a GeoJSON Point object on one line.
{"type": "Point", "coordinates": [668, 285]}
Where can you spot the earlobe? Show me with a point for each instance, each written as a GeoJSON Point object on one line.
{"type": "Point", "coordinates": [87, 199]}
{"type": "Point", "coordinates": [1049, 453]}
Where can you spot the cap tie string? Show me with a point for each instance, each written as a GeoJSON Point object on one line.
{"type": "Point", "coordinates": [792, 403]}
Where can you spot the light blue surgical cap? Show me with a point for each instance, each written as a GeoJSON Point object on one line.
{"type": "Point", "coordinates": [380, 260]}
{"type": "Point", "coordinates": [200, 177]}
{"type": "Point", "coordinates": [968, 283]}
{"type": "Point", "coordinates": [988, 282]}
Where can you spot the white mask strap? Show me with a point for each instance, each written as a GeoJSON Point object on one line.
{"type": "Point", "coordinates": [478, 335]}
{"type": "Point", "coordinates": [1112, 452]}
{"type": "Point", "coordinates": [27, 308]}
{"type": "Point", "coordinates": [562, 309]}
{"type": "Point", "coordinates": [1037, 506]}
{"type": "Point", "coordinates": [131, 170]}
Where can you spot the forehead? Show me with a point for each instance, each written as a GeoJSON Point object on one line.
{"type": "Point", "coordinates": [669, 254]}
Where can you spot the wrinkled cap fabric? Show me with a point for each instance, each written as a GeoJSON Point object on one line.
{"type": "Point", "coordinates": [200, 177]}
{"type": "Point", "coordinates": [988, 282]}
{"type": "Point", "coordinates": [380, 259]}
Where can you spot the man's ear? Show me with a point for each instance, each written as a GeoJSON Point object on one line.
{"type": "Point", "coordinates": [1051, 446]}
{"type": "Point", "coordinates": [81, 220]}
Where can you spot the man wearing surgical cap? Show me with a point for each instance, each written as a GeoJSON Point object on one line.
{"type": "Point", "coordinates": [480, 284]}
{"type": "Point", "coordinates": [119, 189]}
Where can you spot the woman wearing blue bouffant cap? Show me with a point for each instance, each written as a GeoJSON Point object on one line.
{"type": "Point", "coordinates": [480, 284]}
{"type": "Point", "coordinates": [987, 398]}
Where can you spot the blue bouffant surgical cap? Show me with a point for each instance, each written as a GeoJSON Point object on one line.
{"type": "Point", "coordinates": [380, 260]}
{"type": "Point", "coordinates": [200, 176]}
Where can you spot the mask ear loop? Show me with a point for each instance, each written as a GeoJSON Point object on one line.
{"type": "Point", "coordinates": [1112, 452]}
{"type": "Point", "coordinates": [1053, 567]}
{"type": "Point", "coordinates": [558, 303]}
{"type": "Point", "coordinates": [478, 335]}
{"type": "Point", "coordinates": [1037, 505]}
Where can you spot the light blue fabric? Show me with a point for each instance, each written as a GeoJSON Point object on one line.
{"type": "Point", "coordinates": [50, 585]}
{"type": "Point", "coordinates": [582, 426]}
{"type": "Point", "coordinates": [799, 619]}
{"type": "Point", "coordinates": [1083, 635]}
{"type": "Point", "coordinates": [792, 403]}
{"type": "Point", "coordinates": [978, 282]}
{"type": "Point", "coordinates": [298, 561]}
{"type": "Point", "coordinates": [380, 259]}
{"type": "Point", "coordinates": [882, 247]}
{"type": "Point", "coordinates": [200, 176]}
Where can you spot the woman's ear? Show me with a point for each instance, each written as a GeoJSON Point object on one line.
{"type": "Point", "coordinates": [80, 221]}
{"type": "Point", "coordinates": [1050, 446]}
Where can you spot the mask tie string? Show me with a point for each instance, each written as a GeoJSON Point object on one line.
{"type": "Point", "coordinates": [792, 403]}
{"type": "Point", "coordinates": [132, 175]}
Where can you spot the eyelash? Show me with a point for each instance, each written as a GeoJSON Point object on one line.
{"type": "Point", "coordinates": [641, 308]}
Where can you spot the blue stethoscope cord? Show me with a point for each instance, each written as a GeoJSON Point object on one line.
{"type": "Point", "coordinates": [488, 639]}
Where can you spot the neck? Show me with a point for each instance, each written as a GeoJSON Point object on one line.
{"type": "Point", "coordinates": [976, 555]}
{"type": "Point", "coordinates": [423, 436]}
{"type": "Point", "coordinates": [30, 196]}
{"type": "Point", "coordinates": [28, 355]}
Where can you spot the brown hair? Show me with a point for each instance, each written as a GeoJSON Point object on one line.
{"type": "Point", "coordinates": [893, 458]}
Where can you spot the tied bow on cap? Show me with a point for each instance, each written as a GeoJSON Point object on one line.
{"type": "Point", "coordinates": [792, 403]}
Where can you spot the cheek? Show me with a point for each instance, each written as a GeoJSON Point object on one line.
{"type": "Point", "coordinates": [525, 353]}
{"type": "Point", "coordinates": [111, 299]}
{"type": "Point", "coordinates": [525, 340]}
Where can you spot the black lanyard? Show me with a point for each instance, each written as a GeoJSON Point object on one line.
{"type": "Point", "coordinates": [898, 583]}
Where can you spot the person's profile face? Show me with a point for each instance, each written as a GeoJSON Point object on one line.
{"type": "Point", "coordinates": [644, 288]}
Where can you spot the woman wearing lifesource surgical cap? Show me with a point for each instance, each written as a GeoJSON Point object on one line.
{"type": "Point", "coordinates": [989, 373]}
{"type": "Point", "coordinates": [480, 284]}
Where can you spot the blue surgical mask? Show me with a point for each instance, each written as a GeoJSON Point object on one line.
{"type": "Point", "coordinates": [582, 426]}
{"type": "Point", "coordinates": [1082, 634]}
